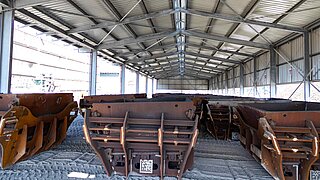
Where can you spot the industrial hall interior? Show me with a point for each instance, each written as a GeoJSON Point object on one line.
{"type": "Point", "coordinates": [160, 89]}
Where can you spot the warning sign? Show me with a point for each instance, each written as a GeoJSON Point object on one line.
{"type": "Point", "coordinates": [146, 166]}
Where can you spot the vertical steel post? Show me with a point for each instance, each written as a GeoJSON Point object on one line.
{"type": "Point", "coordinates": [233, 80]}
{"type": "Point", "coordinates": [226, 82]}
{"type": "Point", "coordinates": [123, 79]}
{"type": "Point", "coordinates": [241, 79]}
{"type": "Point", "coordinates": [6, 44]}
{"type": "Point", "coordinates": [152, 88]}
{"type": "Point", "coordinates": [147, 85]}
{"type": "Point", "coordinates": [273, 73]}
{"type": "Point", "coordinates": [306, 66]}
{"type": "Point", "coordinates": [222, 83]}
{"type": "Point", "coordinates": [215, 84]}
{"type": "Point", "coordinates": [218, 84]}
{"type": "Point", "coordinates": [137, 82]}
{"type": "Point", "coordinates": [210, 84]}
{"type": "Point", "coordinates": [93, 73]}
{"type": "Point", "coordinates": [255, 78]}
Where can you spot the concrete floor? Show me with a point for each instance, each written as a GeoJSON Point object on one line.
{"type": "Point", "coordinates": [214, 160]}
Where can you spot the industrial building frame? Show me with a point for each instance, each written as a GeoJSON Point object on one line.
{"type": "Point", "coordinates": [162, 39]}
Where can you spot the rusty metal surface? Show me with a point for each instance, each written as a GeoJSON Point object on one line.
{"type": "Point", "coordinates": [42, 103]}
{"type": "Point", "coordinates": [281, 112]}
{"type": "Point", "coordinates": [217, 114]}
{"type": "Point", "coordinates": [284, 136]}
{"type": "Point", "coordinates": [87, 101]}
{"type": "Point", "coordinates": [220, 122]}
{"type": "Point", "coordinates": [6, 100]}
{"type": "Point", "coordinates": [124, 134]}
{"type": "Point", "coordinates": [34, 123]}
{"type": "Point", "coordinates": [211, 97]}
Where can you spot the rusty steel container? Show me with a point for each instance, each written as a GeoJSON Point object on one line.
{"type": "Point", "coordinates": [282, 136]}
{"type": "Point", "coordinates": [31, 123]}
{"type": "Point", "coordinates": [6, 100]}
{"type": "Point", "coordinates": [87, 101]}
{"type": "Point", "coordinates": [151, 138]}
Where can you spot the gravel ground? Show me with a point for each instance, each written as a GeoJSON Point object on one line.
{"type": "Point", "coordinates": [214, 160]}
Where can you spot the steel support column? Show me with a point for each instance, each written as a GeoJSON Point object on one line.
{"type": "Point", "coordinates": [306, 66]}
{"type": "Point", "coordinates": [255, 80]}
{"type": "Point", "coordinates": [6, 44]}
{"type": "Point", "coordinates": [218, 84]}
{"type": "Point", "coordinates": [233, 80]}
{"type": "Point", "coordinates": [211, 84]}
{"type": "Point", "coordinates": [226, 82]}
{"type": "Point", "coordinates": [137, 82]}
{"type": "Point", "coordinates": [241, 79]}
{"type": "Point", "coordinates": [273, 73]}
{"type": "Point", "coordinates": [214, 86]}
{"type": "Point", "coordinates": [93, 72]}
{"type": "Point", "coordinates": [123, 79]}
{"type": "Point", "coordinates": [222, 83]}
{"type": "Point", "coordinates": [147, 85]}
{"type": "Point", "coordinates": [152, 89]}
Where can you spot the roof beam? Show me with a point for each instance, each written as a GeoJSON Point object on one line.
{"type": "Point", "coordinates": [59, 20]}
{"type": "Point", "coordinates": [205, 61]}
{"type": "Point", "coordinates": [125, 21]}
{"type": "Point", "coordinates": [184, 74]}
{"type": "Point", "coordinates": [63, 33]}
{"type": "Point", "coordinates": [204, 66]}
{"type": "Point", "coordinates": [118, 16]}
{"type": "Point", "coordinates": [159, 60]}
{"type": "Point", "coordinates": [200, 73]}
{"type": "Point", "coordinates": [164, 71]}
{"type": "Point", "coordinates": [219, 50]}
{"type": "Point", "coordinates": [188, 71]}
{"type": "Point", "coordinates": [199, 65]}
{"type": "Point", "coordinates": [91, 19]}
{"type": "Point", "coordinates": [297, 5]}
{"type": "Point", "coordinates": [55, 28]}
{"type": "Point", "coordinates": [135, 52]}
{"type": "Point", "coordinates": [168, 46]}
{"type": "Point", "coordinates": [86, 14]}
{"type": "Point", "coordinates": [151, 57]}
{"type": "Point", "coordinates": [177, 62]}
{"type": "Point", "coordinates": [226, 39]}
{"type": "Point", "coordinates": [159, 66]}
{"type": "Point", "coordinates": [19, 4]}
{"type": "Point", "coordinates": [213, 58]}
{"type": "Point", "coordinates": [247, 21]}
{"type": "Point", "coordinates": [127, 41]}
{"type": "Point", "coordinates": [187, 58]}
{"type": "Point", "coordinates": [187, 53]}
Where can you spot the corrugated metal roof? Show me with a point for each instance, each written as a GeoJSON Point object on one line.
{"type": "Point", "coordinates": [154, 6]}
{"type": "Point", "coordinates": [272, 9]}
{"type": "Point", "coordinates": [203, 5]}
{"type": "Point", "coordinates": [198, 23]}
{"type": "Point", "coordinates": [305, 14]}
{"type": "Point", "coordinates": [68, 14]}
{"type": "Point", "coordinates": [123, 7]}
{"type": "Point", "coordinates": [235, 5]}
{"type": "Point", "coordinates": [245, 32]}
{"type": "Point", "coordinates": [273, 35]}
{"type": "Point", "coordinates": [221, 27]}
